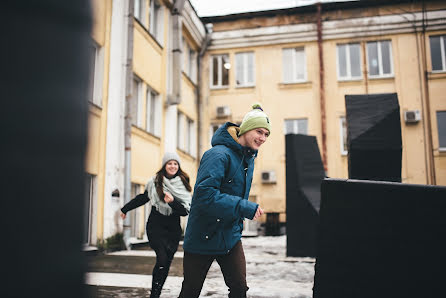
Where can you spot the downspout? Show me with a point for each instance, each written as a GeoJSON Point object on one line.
{"type": "Point", "coordinates": [128, 120]}
{"type": "Point", "coordinates": [430, 150]}
{"type": "Point", "coordinates": [322, 88]}
{"type": "Point", "coordinates": [175, 97]}
{"type": "Point", "coordinates": [204, 46]}
{"type": "Point", "coordinates": [364, 65]}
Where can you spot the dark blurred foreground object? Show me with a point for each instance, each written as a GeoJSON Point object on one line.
{"type": "Point", "coordinates": [304, 174]}
{"type": "Point", "coordinates": [43, 116]}
{"type": "Point", "coordinates": [380, 239]}
{"type": "Point", "coordinates": [374, 137]}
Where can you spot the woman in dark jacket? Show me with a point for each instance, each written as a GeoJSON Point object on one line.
{"type": "Point", "coordinates": [169, 195]}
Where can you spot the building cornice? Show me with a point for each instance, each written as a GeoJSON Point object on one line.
{"type": "Point", "coordinates": [193, 23]}
{"type": "Point", "coordinates": [336, 29]}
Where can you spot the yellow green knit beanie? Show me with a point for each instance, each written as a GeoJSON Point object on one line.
{"type": "Point", "coordinates": [256, 118]}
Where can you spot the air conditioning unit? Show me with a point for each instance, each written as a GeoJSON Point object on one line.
{"type": "Point", "coordinates": [223, 111]}
{"type": "Point", "coordinates": [412, 116]}
{"type": "Point", "coordinates": [269, 177]}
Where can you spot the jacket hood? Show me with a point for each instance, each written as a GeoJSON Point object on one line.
{"type": "Point", "coordinates": [227, 135]}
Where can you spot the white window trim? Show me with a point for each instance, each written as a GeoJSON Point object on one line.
{"type": "Point", "coordinates": [295, 126]}
{"type": "Point", "coordinates": [294, 66]}
{"type": "Point", "coordinates": [156, 21]}
{"type": "Point", "coordinates": [440, 149]}
{"type": "Point", "coordinates": [443, 57]}
{"type": "Point", "coordinates": [156, 130]}
{"type": "Point", "coordinates": [139, 118]}
{"type": "Point", "coordinates": [349, 76]}
{"type": "Point", "coordinates": [380, 68]}
{"type": "Point", "coordinates": [98, 74]}
{"type": "Point", "coordinates": [342, 119]}
{"type": "Point", "coordinates": [140, 10]}
{"type": "Point", "coordinates": [220, 72]}
{"type": "Point", "coordinates": [245, 57]}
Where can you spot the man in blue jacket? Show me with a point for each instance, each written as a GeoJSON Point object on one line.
{"type": "Point", "coordinates": [220, 204]}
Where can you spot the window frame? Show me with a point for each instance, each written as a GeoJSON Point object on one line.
{"type": "Point", "coordinates": [295, 126]}
{"type": "Point", "coordinates": [139, 98]}
{"type": "Point", "coordinates": [245, 56]}
{"type": "Point", "coordinates": [440, 148]}
{"type": "Point", "coordinates": [152, 120]}
{"type": "Point", "coordinates": [140, 7]}
{"type": "Point", "coordinates": [442, 53]}
{"type": "Point", "coordinates": [220, 67]}
{"type": "Point", "coordinates": [348, 66]}
{"type": "Point", "coordinates": [294, 78]}
{"type": "Point", "coordinates": [156, 19]}
{"type": "Point", "coordinates": [343, 135]}
{"type": "Point", "coordinates": [380, 75]}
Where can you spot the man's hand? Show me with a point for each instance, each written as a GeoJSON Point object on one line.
{"type": "Point", "coordinates": [259, 213]}
{"type": "Point", "coordinates": [168, 197]}
{"type": "Point", "coordinates": [123, 215]}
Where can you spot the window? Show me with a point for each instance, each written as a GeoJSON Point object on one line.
{"type": "Point", "coordinates": [186, 136]}
{"type": "Point", "coordinates": [135, 216]}
{"type": "Point", "coordinates": [189, 61]}
{"type": "Point", "coordinates": [212, 129]}
{"type": "Point", "coordinates": [438, 56]}
{"type": "Point", "coordinates": [245, 69]}
{"type": "Point", "coordinates": [220, 71]}
{"type": "Point", "coordinates": [294, 65]}
{"type": "Point", "coordinates": [95, 74]}
{"type": "Point", "coordinates": [153, 113]}
{"type": "Point", "coordinates": [349, 61]}
{"type": "Point", "coordinates": [135, 104]}
{"type": "Point", "coordinates": [379, 54]}
{"type": "Point", "coordinates": [441, 122]}
{"type": "Point", "coordinates": [343, 129]}
{"type": "Point", "coordinates": [89, 200]}
{"type": "Point", "coordinates": [156, 21]}
{"type": "Point", "coordinates": [296, 126]}
{"type": "Point", "coordinates": [139, 10]}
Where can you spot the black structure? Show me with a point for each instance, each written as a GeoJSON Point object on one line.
{"type": "Point", "coordinates": [374, 137]}
{"type": "Point", "coordinates": [304, 174]}
{"type": "Point", "coordinates": [44, 78]}
{"type": "Point", "coordinates": [380, 239]}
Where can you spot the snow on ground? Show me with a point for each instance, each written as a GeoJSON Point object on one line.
{"type": "Point", "coordinates": [269, 274]}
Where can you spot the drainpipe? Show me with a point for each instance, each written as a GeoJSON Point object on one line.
{"type": "Point", "coordinates": [204, 46]}
{"type": "Point", "coordinates": [128, 120]}
{"type": "Point", "coordinates": [429, 145]}
{"type": "Point", "coordinates": [174, 78]}
{"type": "Point", "coordinates": [322, 84]}
{"type": "Point", "coordinates": [364, 65]}
{"type": "Point", "coordinates": [175, 97]}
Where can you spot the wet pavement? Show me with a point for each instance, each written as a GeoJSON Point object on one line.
{"type": "Point", "coordinates": [270, 274]}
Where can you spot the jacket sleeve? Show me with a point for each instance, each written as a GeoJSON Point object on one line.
{"type": "Point", "coordinates": [137, 201]}
{"type": "Point", "coordinates": [178, 208]}
{"type": "Point", "coordinates": [209, 199]}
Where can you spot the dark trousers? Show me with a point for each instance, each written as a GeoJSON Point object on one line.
{"type": "Point", "coordinates": [233, 267]}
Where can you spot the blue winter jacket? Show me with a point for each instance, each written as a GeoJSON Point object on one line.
{"type": "Point", "coordinates": [220, 200]}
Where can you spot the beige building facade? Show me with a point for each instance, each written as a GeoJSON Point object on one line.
{"type": "Point", "coordinates": [299, 63]}
{"type": "Point", "coordinates": [163, 79]}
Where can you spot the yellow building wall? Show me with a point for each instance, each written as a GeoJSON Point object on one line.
{"type": "Point", "coordinates": [95, 158]}
{"type": "Point", "coordinates": [302, 100]}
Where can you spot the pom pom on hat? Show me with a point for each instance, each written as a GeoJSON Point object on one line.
{"type": "Point", "coordinates": [171, 156]}
{"type": "Point", "coordinates": [256, 118]}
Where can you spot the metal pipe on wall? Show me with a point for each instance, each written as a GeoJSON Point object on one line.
{"type": "Point", "coordinates": [128, 120]}
{"type": "Point", "coordinates": [322, 87]}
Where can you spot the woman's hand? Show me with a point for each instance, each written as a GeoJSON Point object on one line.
{"type": "Point", "coordinates": [123, 215]}
{"type": "Point", "coordinates": [168, 198]}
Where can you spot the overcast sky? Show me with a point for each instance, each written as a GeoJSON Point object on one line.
{"type": "Point", "coordinates": [223, 7]}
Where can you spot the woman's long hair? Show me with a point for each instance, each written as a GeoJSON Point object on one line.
{"type": "Point", "coordinates": [162, 173]}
